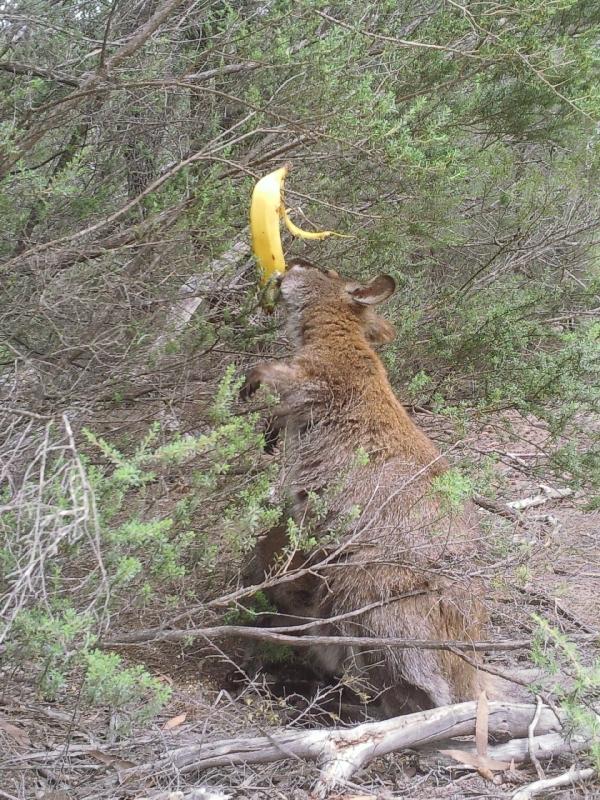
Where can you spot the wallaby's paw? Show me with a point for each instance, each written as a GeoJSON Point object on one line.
{"type": "Point", "coordinates": [251, 384]}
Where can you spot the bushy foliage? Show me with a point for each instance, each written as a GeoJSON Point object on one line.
{"type": "Point", "coordinates": [132, 554]}
{"type": "Point", "coordinates": [558, 657]}
{"type": "Point", "coordinates": [457, 144]}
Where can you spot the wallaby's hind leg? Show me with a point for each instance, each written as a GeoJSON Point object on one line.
{"type": "Point", "coordinates": [413, 678]}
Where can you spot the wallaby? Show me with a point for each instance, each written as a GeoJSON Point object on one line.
{"type": "Point", "coordinates": [348, 442]}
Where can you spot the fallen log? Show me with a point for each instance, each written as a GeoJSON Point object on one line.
{"type": "Point", "coordinates": [543, 748]}
{"type": "Point", "coordinates": [340, 752]}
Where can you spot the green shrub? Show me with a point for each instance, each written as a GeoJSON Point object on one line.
{"type": "Point", "coordinates": [559, 657]}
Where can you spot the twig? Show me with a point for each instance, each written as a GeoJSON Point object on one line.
{"type": "Point", "coordinates": [499, 673]}
{"type": "Point", "coordinates": [395, 40]}
{"type": "Point", "coordinates": [569, 778]}
{"type": "Point", "coordinates": [18, 68]}
{"type": "Point", "coordinates": [502, 509]}
{"type": "Point", "coordinates": [7, 796]}
{"type": "Point", "coordinates": [21, 412]}
{"type": "Point", "coordinates": [539, 598]}
{"type": "Point", "coordinates": [531, 738]}
{"type": "Point", "coordinates": [198, 793]}
{"type": "Point", "coordinates": [547, 493]}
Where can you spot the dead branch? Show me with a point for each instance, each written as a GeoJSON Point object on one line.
{"type": "Point", "coordinates": [569, 778]}
{"type": "Point", "coordinates": [190, 294]}
{"type": "Point", "coordinates": [198, 793]}
{"type": "Point", "coordinates": [282, 636]}
{"type": "Point", "coordinates": [531, 739]}
{"type": "Point", "coordinates": [18, 68]}
{"type": "Point", "coordinates": [536, 597]}
{"type": "Point", "coordinates": [546, 746]}
{"type": "Point", "coordinates": [341, 752]}
{"type": "Point", "coordinates": [547, 493]}
{"type": "Point", "coordinates": [502, 509]}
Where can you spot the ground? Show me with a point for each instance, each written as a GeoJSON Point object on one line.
{"type": "Point", "coordinates": [547, 561]}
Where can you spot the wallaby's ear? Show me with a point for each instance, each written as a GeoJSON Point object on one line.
{"type": "Point", "coordinates": [375, 291]}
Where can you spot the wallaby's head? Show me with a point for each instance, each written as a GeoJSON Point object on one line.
{"type": "Point", "coordinates": [309, 292]}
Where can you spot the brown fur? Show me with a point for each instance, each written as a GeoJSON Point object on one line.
{"type": "Point", "coordinates": [401, 549]}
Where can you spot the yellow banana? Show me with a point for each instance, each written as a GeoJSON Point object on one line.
{"type": "Point", "coordinates": [266, 211]}
{"type": "Point", "coordinates": [300, 234]}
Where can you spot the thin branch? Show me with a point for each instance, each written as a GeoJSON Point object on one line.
{"type": "Point", "coordinates": [226, 69]}
{"type": "Point", "coordinates": [18, 68]}
{"type": "Point", "coordinates": [282, 635]}
{"type": "Point", "coordinates": [502, 509]}
{"type": "Point", "coordinates": [531, 738]}
{"type": "Point", "coordinates": [395, 40]}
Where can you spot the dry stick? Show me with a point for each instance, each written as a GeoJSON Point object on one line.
{"type": "Point", "coordinates": [198, 793]}
{"type": "Point", "coordinates": [395, 40]}
{"type": "Point", "coordinates": [553, 603]}
{"type": "Point", "coordinates": [569, 778]}
{"type": "Point", "coordinates": [531, 738]}
{"type": "Point", "coordinates": [276, 635]}
{"type": "Point", "coordinates": [547, 746]}
{"type": "Point", "coordinates": [312, 622]}
{"type": "Point", "coordinates": [21, 412]}
{"type": "Point", "coordinates": [499, 673]}
{"type": "Point", "coordinates": [547, 494]}
{"type": "Point", "coordinates": [18, 68]}
{"type": "Point", "coordinates": [496, 508]}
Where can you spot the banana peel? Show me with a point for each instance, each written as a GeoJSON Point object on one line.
{"type": "Point", "coordinates": [267, 209]}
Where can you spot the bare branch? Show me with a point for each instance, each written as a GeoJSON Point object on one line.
{"type": "Point", "coordinates": [18, 68]}
{"type": "Point", "coordinates": [570, 778]}
{"type": "Point", "coordinates": [281, 636]}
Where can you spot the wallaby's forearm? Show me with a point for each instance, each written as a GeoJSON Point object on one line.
{"type": "Point", "coordinates": [279, 376]}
